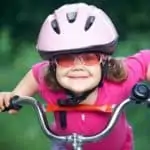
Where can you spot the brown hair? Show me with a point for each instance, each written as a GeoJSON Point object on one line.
{"type": "Point", "coordinates": [116, 72]}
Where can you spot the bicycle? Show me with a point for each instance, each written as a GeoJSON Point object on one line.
{"type": "Point", "coordinates": [140, 95]}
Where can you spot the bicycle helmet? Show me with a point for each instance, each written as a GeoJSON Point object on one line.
{"type": "Point", "coordinates": [75, 28]}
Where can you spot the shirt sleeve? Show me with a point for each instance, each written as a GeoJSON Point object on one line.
{"type": "Point", "coordinates": [44, 91]}
{"type": "Point", "coordinates": [38, 71]}
{"type": "Point", "coordinates": [137, 66]}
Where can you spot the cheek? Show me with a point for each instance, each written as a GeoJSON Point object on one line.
{"type": "Point", "coordinates": [60, 74]}
{"type": "Point", "coordinates": [96, 73]}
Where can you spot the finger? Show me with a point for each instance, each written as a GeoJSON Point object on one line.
{"type": "Point", "coordinates": [1, 101]}
{"type": "Point", "coordinates": [12, 111]}
{"type": "Point", "coordinates": [7, 99]}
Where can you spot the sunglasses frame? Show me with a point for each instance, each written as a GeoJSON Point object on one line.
{"type": "Point", "coordinates": [100, 57]}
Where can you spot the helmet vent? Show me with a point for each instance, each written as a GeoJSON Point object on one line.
{"type": "Point", "coordinates": [71, 16]}
{"type": "Point", "coordinates": [55, 26]}
{"type": "Point", "coordinates": [89, 22]}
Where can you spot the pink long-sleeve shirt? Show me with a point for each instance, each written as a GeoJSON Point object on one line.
{"type": "Point", "coordinates": [89, 123]}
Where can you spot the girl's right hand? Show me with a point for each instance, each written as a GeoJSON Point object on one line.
{"type": "Point", "coordinates": [5, 98]}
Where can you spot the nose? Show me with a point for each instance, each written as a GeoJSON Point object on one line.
{"type": "Point", "coordinates": [78, 60]}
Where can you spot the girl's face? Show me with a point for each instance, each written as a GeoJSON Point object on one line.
{"type": "Point", "coordinates": [78, 72]}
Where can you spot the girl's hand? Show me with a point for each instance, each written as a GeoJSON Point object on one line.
{"type": "Point", "coordinates": [5, 98]}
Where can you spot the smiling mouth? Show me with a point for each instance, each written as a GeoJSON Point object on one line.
{"type": "Point", "coordinates": [78, 77]}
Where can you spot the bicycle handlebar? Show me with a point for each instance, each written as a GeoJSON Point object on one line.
{"type": "Point", "coordinates": [39, 109]}
{"type": "Point", "coordinates": [140, 94]}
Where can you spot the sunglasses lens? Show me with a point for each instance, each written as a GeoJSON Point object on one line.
{"type": "Point", "coordinates": [90, 58]}
{"type": "Point", "coordinates": [69, 60]}
{"type": "Point", "coordinates": [65, 60]}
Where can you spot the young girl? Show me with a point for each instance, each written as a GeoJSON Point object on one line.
{"type": "Point", "coordinates": [76, 43]}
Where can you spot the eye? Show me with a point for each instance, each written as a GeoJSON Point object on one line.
{"type": "Point", "coordinates": [65, 60]}
{"type": "Point", "coordinates": [90, 56]}
{"type": "Point", "coordinates": [64, 57]}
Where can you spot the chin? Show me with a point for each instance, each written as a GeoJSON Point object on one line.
{"type": "Point", "coordinates": [79, 90]}
{"type": "Point", "coordinates": [80, 86]}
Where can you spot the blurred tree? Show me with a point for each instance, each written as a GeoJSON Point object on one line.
{"type": "Point", "coordinates": [24, 17]}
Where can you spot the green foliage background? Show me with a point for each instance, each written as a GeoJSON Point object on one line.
{"type": "Point", "coordinates": [20, 21]}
